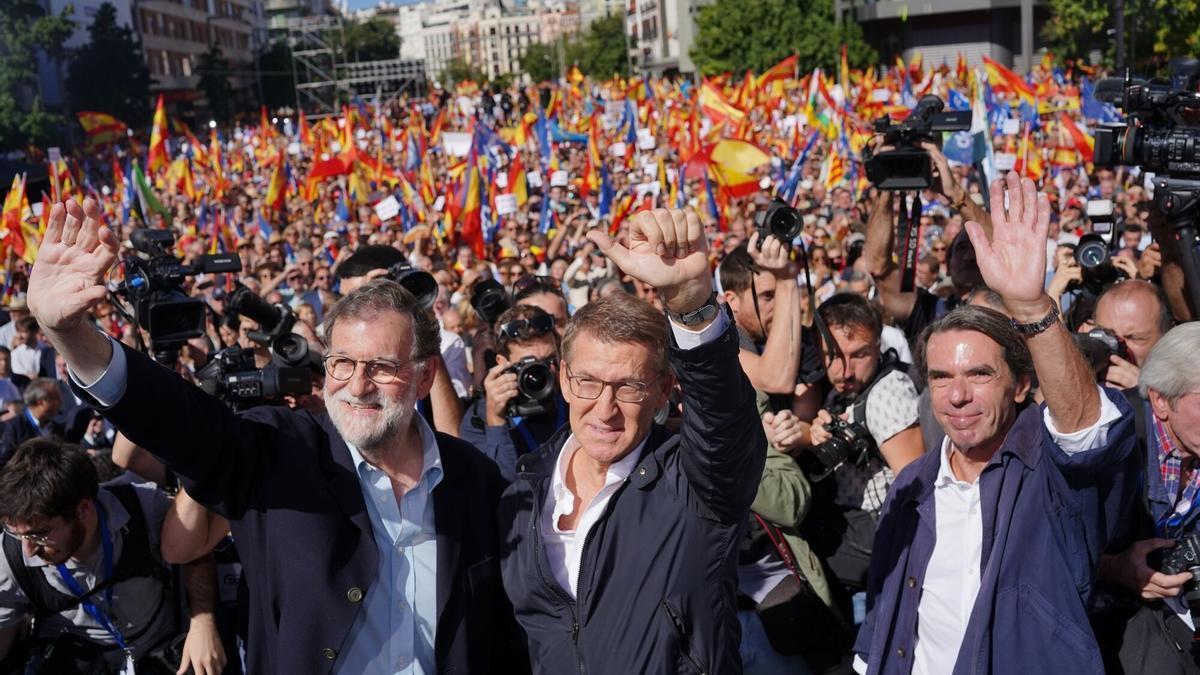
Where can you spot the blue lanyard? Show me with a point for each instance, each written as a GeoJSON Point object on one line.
{"type": "Point", "coordinates": [531, 443]}
{"type": "Point", "coordinates": [90, 607]}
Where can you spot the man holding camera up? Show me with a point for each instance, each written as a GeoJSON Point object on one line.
{"type": "Point", "coordinates": [521, 407]}
{"type": "Point", "coordinates": [368, 540]}
{"type": "Point", "coordinates": [864, 436]}
{"type": "Point", "coordinates": [987, 548]}
{"type": "Point", "coordinates": [623, 536]}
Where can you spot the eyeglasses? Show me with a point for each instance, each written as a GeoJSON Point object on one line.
{"type": "Point", "coordinates": [535, 284]}
{"type": "Point", "coordinates": [35, 538]}
{"type": "Point", "coordinates": [517, 328]}
{"type": "Point", "coordinates": [590, 388]}
{"type": "Point", "coordinates": [379, 371]}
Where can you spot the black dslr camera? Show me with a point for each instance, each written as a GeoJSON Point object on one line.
{"type": "Point", "coordinates": [1099, 345]}
{"type": "Point", "coordinates": [778, 219]}
{"type": "Point", "coordinates": [490, 300]}
{"type": "Point", "coordinates": [908, 166]}
{"type": "Point", "coordinates": [535, 388]}
{"type": "Point", "coordinates": [1184, 557]}
{"type": "Point", "coordinates": [153, 285]}
{"type": "Point", "coordinates": [420, 283]}
{"type": "Point", "coordinates": [849, 444]}
{"type": "Point", "coordinates": [231, 375]}
{"type": "Point", "coordinates": [1094, 256]}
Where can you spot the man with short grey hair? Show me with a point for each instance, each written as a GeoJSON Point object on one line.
{"type": "Point", "coordinates": [42, 402]}
{"type": "Point", "coordinates": [368, 540]}
{"type": "Point", "coordinates": [1169, 383]}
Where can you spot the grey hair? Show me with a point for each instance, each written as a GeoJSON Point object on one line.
{"type": "Point", "coordinates": [1170, 368]}
{"type": "Point", "coordinates": [39, 390]}
{"type": "Point", "coordinates": [381, 296]}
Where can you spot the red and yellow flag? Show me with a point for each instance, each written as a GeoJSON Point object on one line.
{"type": "Point", "coordinates": [158, 138]}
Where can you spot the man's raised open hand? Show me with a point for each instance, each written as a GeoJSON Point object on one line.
{"type": "Point", "coordinates": [73, 260]}
{"type": "Point", "coordinates": [1013, 263]}
{"type": "Point", "coordinates": [667, 250]}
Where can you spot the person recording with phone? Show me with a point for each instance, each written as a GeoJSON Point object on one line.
{"type": "Point", "coordinates": [521, 407]}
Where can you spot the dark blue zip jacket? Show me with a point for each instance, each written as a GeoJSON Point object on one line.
{"type": "Point", "coordinates": [657, 580]}
{"type": "Point", "coordinates": [1047, 517]}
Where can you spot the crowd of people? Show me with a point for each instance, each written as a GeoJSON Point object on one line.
{"type": "Point", "coordinates": [621, 376]}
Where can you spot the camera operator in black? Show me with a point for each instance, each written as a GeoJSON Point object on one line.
{"type": "Point", "coordinates": [876, 397]}
{"type": "Point", "coordinates": [492, 423]}
{"type": "Point", "coordinates": [1160, 628]}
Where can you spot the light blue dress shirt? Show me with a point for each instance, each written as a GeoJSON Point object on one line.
{"type": "Point", "coordinates": [394, 633]}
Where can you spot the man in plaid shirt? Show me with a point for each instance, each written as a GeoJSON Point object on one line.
{"type": "Point", "coordinates": [1158, 637]}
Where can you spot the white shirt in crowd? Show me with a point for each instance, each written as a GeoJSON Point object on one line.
{"type": "Point", "coordinates": [26, 360]}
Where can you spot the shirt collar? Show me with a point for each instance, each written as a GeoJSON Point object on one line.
{"type": "Point", "coordinates": [945, 474]}
{"type": "Point", "coordinates": [1166, 447]}
{"type": "Point", "coordinates": [431, 462]}
{"type": "Point", "coordinates": [617, 472]}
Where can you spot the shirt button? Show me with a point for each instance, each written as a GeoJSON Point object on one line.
{"type": "Point", "coordinates": [900, 652]}
{"type": "Point", "coordinates": [355, 594]}
{"type": "Point", "coordinates": [329, 653]}
{"type": "Point", "coordinates": [912, 582]}
{"type": "Point", "coordinates": [641, 471]}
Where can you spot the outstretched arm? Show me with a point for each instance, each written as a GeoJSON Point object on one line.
{"type": "Point", "coordinates": [1013, 263]}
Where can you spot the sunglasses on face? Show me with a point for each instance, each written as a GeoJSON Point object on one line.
{"type": "Point", "coordinates": [537, 283]}
{"type": "Point", "coordinates": [518, 328]}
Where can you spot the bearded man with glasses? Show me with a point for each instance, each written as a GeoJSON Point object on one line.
{"type": "Point", "coordinates": [622, 537]}
{"type": "Point", "coordinates": [368, 540]}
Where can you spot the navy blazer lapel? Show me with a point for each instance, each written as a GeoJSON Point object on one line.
{"type": "Point", "coordinates": [449, 517]}
{"type": "Point", "coordinates": [342, 477]}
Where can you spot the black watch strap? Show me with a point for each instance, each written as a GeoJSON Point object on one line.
{"type": "Point", "coordinates": [1031, 329]}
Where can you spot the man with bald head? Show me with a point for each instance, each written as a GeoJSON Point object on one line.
{"type": "Point", "coordinates": [1136, 312]}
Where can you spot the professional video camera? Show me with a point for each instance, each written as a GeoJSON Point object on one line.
{"type": "Point", "coordinates": [907, 166]}
{"type": "Point", "coordinates": [153, 286]}
{"type": "Point", "coordinates": [1162, 136]}
{"type": "Point", "coordinates": [778, 219]}
{"type": "Point", "coordinates": [418, 282]}
{"type": "Point", "coordinates": [231, 374]}
{"type": "Point", "coordinates": [535, 388]}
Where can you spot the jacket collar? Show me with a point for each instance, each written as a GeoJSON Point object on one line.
{"type": "Point", "coordinates": [538, 466]}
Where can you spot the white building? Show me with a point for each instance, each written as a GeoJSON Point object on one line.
{"type": "Point", "coordinates": [661, 33]}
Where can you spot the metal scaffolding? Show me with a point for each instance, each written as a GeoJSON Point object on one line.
{"type": "Point", "coordinates": [323, 84]}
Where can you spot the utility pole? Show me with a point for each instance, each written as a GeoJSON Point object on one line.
{"type": "Point", "coordinates": [1119, 30]}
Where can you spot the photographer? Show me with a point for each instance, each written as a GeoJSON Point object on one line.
{"type": "Point", "coordinates": [64, 533]}
{"type": "Point", "coordinates": [1170, 384]}
{"type": "Point", "coordinates": [874, 395]}
{"type": "Point", "coordinates": [1135, 313]}
{"type": "Point", "coordinates": [493, 422]}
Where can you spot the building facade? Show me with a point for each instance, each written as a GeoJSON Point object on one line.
{"type": "Point", "coordinates": [660, 34]}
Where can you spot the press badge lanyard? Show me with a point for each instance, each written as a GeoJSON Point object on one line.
{"type": "Point", "coordinates": [90, 607]}
{"type": "Point", "coordinates": [530, 443]}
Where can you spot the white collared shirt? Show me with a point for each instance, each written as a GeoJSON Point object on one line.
{"type": "Point", "coordinates": [564, 548]}
{"type": "Point", "coordinates": [952, 577]}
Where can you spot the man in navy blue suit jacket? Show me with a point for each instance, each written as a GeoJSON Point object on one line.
{"type": "Point", "coordinates": [368, 541]}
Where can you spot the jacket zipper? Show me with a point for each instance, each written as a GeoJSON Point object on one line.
{"type": "Point", "coordinates": [681, 631]}
{"type": "Point", "coordinates": [583, 558]}
{"type": "Point", "coordinates": [562, 594]}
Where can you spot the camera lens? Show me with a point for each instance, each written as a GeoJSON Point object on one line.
{"type": "Point", "coordinates": [786, 224]}
{"type": "Point", "coordinates": [536, 381]}
{"type": "Point", "coordinates": [1092, 252]}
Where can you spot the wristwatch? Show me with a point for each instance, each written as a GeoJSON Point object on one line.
{"type": "Point", "coordinates": [706, 312]}
{"type": "Point", "coordinates": [1029, 329]}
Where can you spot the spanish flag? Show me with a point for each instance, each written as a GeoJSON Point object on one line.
{"type": "Point", "coordinates": [1003, 78]}
{"type": "Point", "coordinates": [780, 71]}
{"type": "Point", "coordinates": [158, 138]}
{"type": "Point", "coordinates": [1084, 143]}
{"type": "Point", "coordinates": [101, 128]}
{"type": "Point", "coordinates": [716, 106]}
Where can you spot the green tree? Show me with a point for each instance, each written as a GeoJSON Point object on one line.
{"type": "Point", "coordinates": [1156, 31]}
{"type": "Point", "coordinates": [540, 62]}
{"type": "Point", "coordinates": [372, 40]}
{"type": "Point", "coordinates": [733, 36]}
{"type": "Point", "coordinates": [458, 70]}
{"type": "Point", "coordinates": [26, 27]}
{"type": "Point", "coordinates": [214, 82]}
{"type": "Point", "coordinates": [108, 73]}
{"type": "Point", "coordinates": [600, 52]}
